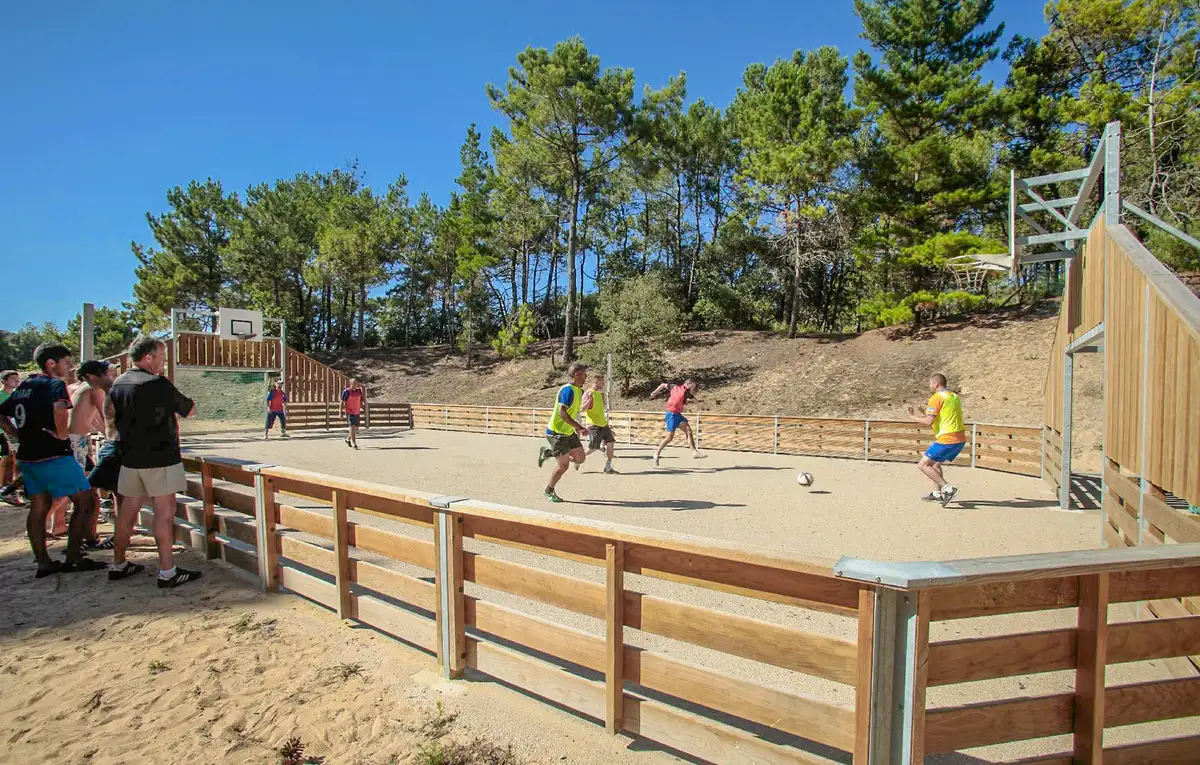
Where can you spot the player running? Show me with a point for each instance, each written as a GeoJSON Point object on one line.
{"type": "Point", "coordinates": [944, 412]}
{"type": "Point", "coordinates": [353, 399]}
{"type": "Point", "coordinates": [595, 411]}
{"type": "Point", "coordinates": [564, 429]}
{"type": "Point", "coordinates": [277, 409]}
{"type": "Point", "coordinates": [40, 409]}
{"type": "Point", "coordinates": [677, 398]}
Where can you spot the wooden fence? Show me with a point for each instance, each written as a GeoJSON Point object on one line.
{"type": "Point", "coordinates": [326, 416]}
{"type": "Point", "coordinates": [246, 515]}
{"type": "Point", "coordinates": [1012, 449]}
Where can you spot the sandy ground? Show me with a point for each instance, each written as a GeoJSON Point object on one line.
{"type": "Point", "coordinates": [123, 673]}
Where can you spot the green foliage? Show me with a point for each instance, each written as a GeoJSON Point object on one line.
{"type": "Point", "coordinates": [640, 325]}
{"type": "Point", "coordinates": [16, 348]}
{"type": "Point", "coordinates": [514, 338]}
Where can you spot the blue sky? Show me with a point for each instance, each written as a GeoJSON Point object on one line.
{"type": "Point", "coordinates": [107, 105]}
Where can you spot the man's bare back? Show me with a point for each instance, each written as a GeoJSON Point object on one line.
{"type": "Point", "coordinates": [87, 409]}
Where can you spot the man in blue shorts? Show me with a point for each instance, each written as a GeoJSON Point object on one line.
{"type": "Point", "coordinates": [38, 414]}
{"type": "Point", "coordinates": [944, 413]}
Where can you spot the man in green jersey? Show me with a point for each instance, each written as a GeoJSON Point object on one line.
{"type": "Point", "coordinates": [564, 429]}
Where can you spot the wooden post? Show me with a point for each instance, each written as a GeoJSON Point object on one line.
{"type": "Point", "coordinates": [341, 546]}
{"type": "Point", "coordinates": [775, 437]}
{"type": "Point", "coordinates": [614, 672]}
{"type": "Point", "coordinates": [487, 419]}
{"type": "Point", "coordinates": [268, 539]}
{"type": "Point", "coordinates": [862, 689]}
{"type": "Point", "coordinates": [974, 441]}
{"type": "Point", "coordinates": [212, 550]}
{"type": "Point", "coordinates": [866, 439]}
{"type": "Point", "coordinates": [451, 618]}
{"type": "Point", "coordinates": [1091, 651]}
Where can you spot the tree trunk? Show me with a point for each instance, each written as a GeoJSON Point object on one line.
{"type": "Point", "coordinates": [572, 245]}
{"type": "Point", "coordinates": [470, 318]}
{"type": "Point", "coordinates": [362, 313]}
{"type": "Point", "coordinates": [408, 290]}
{"type": "Point", "coordinates": [525, 271]}
{"type": "Point", "coordinates": [795, 280]}
{"type": "Point", "coordinates": [513, 281]}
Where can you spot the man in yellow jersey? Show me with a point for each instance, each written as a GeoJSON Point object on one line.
{"type": "Point", "coordinates": [944, 412]}
{"type": "Point", "coordinates": [564, 429]}
{"type": "Point", "coordinates": [595, 410]}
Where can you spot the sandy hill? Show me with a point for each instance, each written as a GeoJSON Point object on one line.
{"type": "Point", "coordinates": [997, 361]}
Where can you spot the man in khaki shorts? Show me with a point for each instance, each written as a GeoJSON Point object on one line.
{"type": "Point", "coordinates": [145, 405]}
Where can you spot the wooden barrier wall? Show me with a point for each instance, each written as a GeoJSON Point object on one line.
{"type": "Point", "coordinates": [326, 416]}
{"type": "Point", "coordinates": [241, 513]}
{"type": "Point", "coordinates": [1013, 449]}
{"type": "Point", "coordinates": [309, 380]}
{"type": "Point", "coordinates": [204, 349]}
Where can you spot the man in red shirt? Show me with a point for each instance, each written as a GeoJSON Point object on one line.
{"type": "Point", "coordinates": [677, 398]}
{"type": "Point", "coordinates": [353, 400]}
{"type": "Point", "coordinates": [276, 409]}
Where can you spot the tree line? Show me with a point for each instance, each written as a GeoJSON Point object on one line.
{"type": "Point", "coordinates": [828, 195]}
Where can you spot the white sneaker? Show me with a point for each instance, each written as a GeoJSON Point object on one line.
{"type": "Point", "coordinates": [699, 455]}
{"type": "Point", "coordinates": [948, 494]}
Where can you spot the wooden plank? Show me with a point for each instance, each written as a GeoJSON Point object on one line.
{"type": "Point", "coordinates": [786, 647]}
{"type": "Point", "coordinates": [1179, 526]}
{"type": "Point", "coordinates": [1129, 586]}
{"type": "Point", "coordinates": [996, 722]}
{"type": "Point", "coordinates": [230, 472]}
{"type": "Point", "coordinates": [416, 552]}
{"type": "Point", "coordinates": [1112, 537]}
{"type": "Point", "coordinates": [1155, 700]}
{"type": "Point", "coordinates": [409, 627]}
{"type": "Point", "coordinates": [962, 661]}
{"type": "Point", "coordinates": [811, 718]}
{"type": "Point", "coordinates": [862, 684]}
{"type": "Point", "coordinates": [706, 740]}
{"type": "Point", "coordinates": [536, 634]}
{"type": "Point", "coordinates": [1122, 487]}
{"type": "Point", "coordinates": [614, 680]}
{"type": "Point", "coordinates": [341, 547]}
{"type": "Point", "coordinates": [1171, 751]}
{"type": "Point", "coordinates": [1091, 652]}
{"type": "Point", "coordinates": [1005, 598]}
{"type": "Point", "coordinates": [566, 592]}
{"type": "Point", "coordinates": [211, 548]}
{"type": "Point", "coordinates": [309, 555]}
{"type": "Point", "coordinates": [1154, 639]}
{"type": "Point", "coordinates": [537, 677]}
{"type": "Point", "coordinates": [305, 520]}
{"type": "Point", "coordinates": [393, 584]}
{"type": "Point", "coordinates": [538, 539]}
{"type": "Point", "coordinates": [1119, 515]}
{"type": "Point", "coordinates": [309, 586]}
{"type": "Point", "coordinates": [825, 593]}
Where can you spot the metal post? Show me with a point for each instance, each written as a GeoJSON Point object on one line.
{"type": "Point", "coordinates": [172, 348]}
{"type": "Point", "coordinates": [775, 437]}
{"type": "Point", "coordinates": [866, 439]}
{"type": "Point", "coordinates": [487, 419]}
{"type": "Point", "coordinates": [1143, 442]}
{"type": "Point", "coordinates": [1064, 488]}
{"type": "Point", "coordinates": [894, 679]}
{"type": "Point", "coordinates": [607, 378]}
{"type": "Point", "coordinates": [87, 333]}
{"type": "Point", "coordinates": [1112, 173]}
{"type": "Point", "coordinates": [974, 442]}
{"type": "Point", "coordinates": [697, 432]}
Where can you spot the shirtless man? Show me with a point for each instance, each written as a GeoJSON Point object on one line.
{"type": "Point", "coordinates": [87, 417]}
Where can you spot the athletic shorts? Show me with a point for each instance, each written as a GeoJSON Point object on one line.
{"type": "Point", "coordinates": [674, 420]}
{"type": "Point", "coordinates": [352, 419]}
{"type": "Point", "coordinates": [152, 482]}
{"type": "Point", "coordinates": [273, 416]}
{"type": "Point", "coordinates": [107, 472]}
{"type": "Point", "coordinates": [563, 444]}
{"type": "Point", "coordinates": [943, 452]}
{"type": "Point", "coordinates": [599, 435]}
{"type": "Point", "coordinates": [57, 476]}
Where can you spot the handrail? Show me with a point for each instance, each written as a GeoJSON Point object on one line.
{"type": "Point", "coordinates": [1011, 568]}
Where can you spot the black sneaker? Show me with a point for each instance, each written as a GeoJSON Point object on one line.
{"type": "Point", "coordinates": [55, 567]}
{"type": "Point", "coordinates": [83, 563]}
{"type": "Point", "coordinates": [182, 576]}
{"type": "Point", "coordinates": [99, 543]}
{"type": "Point", "coordinates": [131, 569]}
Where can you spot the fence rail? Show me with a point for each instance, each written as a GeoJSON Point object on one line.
{"type": "Point", "coordinates": [440, 596]}
{"type": "Point", "coordinates": [1013, 449]}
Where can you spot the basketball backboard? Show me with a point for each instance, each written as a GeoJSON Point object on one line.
{"type": "Point", "coordinates": [239, 323]}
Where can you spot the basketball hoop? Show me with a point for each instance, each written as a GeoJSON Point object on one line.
{"type": "Point", "coordinates": [970, 273]}
{"type": "Point", "coordinates": [246, 336]}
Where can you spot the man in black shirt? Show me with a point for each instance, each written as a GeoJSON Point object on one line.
{"type": "Point", "coordinates": [39, 412]}
{"type": "Point", "coordinates": [145, 405]}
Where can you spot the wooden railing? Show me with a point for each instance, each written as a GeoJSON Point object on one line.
{"type": "Point", "coordinates": [1013, 449]}
{"type": "Point", "coordinates": [453, 596]}
{"type": "Point", "coordinates": [205, 349]}
{"type": "Point", "coordinates": [326, 416]}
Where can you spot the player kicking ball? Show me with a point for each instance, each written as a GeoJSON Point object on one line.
{"type": "Point", "coordinates": [564, 430]}
{"type": "Point", "coordinates": [677, 398]}
{"type": "Point", "coordinates": [945, 414]}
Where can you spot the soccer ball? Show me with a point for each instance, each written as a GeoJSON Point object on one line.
{"type": "Point", "coordinates": [805, 479]}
